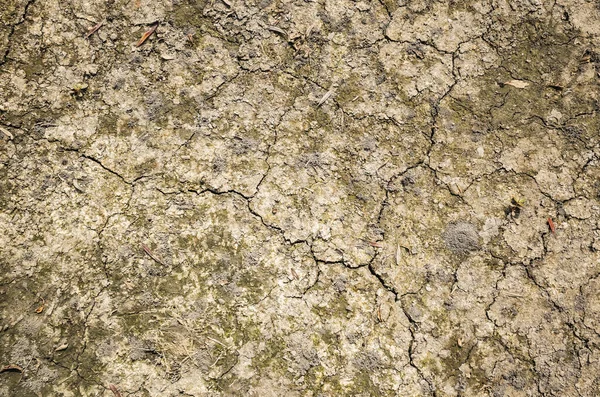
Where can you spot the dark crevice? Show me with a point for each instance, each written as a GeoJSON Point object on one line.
{"type": "Point", "coordinates": [13, 28]}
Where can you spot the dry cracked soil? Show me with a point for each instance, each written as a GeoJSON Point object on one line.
{"type": "Point", "coordinates": [300, 198]}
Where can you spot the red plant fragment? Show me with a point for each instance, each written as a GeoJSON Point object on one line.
{"type": "Point", "coordinates": [552, 226]}
{"type": "Point", "coordinates": [146, 35]}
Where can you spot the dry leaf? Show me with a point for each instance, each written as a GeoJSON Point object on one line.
{"type": "Point", "coordinates": [277, 30]}
{"type": "Point", "coordinates": [517, 83]}
{"type": "Point", "coordinates": [11, 368]}
{"type": "Point", "coordinates": [62, 347]}
{"type": "Point", "coordinates": [146, 35]}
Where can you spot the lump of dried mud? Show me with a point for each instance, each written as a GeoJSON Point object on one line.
{"type": "Point", "coordinates": [461, 237]}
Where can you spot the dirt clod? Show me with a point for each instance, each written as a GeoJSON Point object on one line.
{"type": "Point", "coordinates": [461, 237]}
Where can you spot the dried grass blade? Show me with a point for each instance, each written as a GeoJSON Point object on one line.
{"type": "Point", "coordinates": [6, 132]}
{"type": "Point", "coordinates": [151, 255]}
{"type": "Point", "coordinates": [325, 97]}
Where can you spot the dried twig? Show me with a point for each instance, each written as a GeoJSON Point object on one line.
{"type": "Point", "coordinates": [11, 368]}
{"type": "Point", "coordinates": [217, 360]}
{"type": "Point", "coordinates": [93, 30]}
{"type": "Point", "coordinates": [277, 30]}
{"type": "Point", "coordinates": [114, 389]}
{"type": "Point", "coordinates": [220, 343]}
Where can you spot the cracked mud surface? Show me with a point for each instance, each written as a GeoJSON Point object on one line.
{"type": "Point", "coordinates": [300, 198]}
